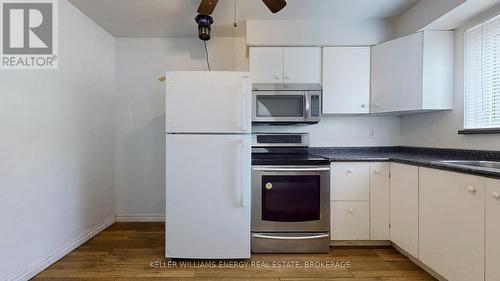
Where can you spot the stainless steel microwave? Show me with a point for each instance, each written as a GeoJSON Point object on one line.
{"type": "Point", "coordinates": [286, 104]}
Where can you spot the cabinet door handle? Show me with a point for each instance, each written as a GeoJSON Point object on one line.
{"type": "Point", "coordinates": [363, 105]}
{"type": "Point", "coordinates": [376, 172]}
{"type": "Point", "coordinates": [277, 78]}
{"type": "Point", "coordinates": [471, 189]}
{"type": "Point", "coordinates": [287, 78]}
{"type": "Point", "coordinates": [350, 210]}
{"type": "Point", "coordinates": [495, 195]}
{"type": "Point", "coordinates": [349, 171]}
{"type": "Point", "coordinates": [377, 105]}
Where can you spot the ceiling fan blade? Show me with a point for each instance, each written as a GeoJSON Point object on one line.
{"type": "Point", "coordinates": [207, 7]}
{"type": "Point", "coordinates": [275, 5]}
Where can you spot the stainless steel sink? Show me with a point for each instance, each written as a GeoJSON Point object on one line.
{"type": "Point", "coordinates": [486, 165]}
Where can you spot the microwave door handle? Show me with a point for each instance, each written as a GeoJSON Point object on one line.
{"type": "Point", "coordinates": [307, 98]}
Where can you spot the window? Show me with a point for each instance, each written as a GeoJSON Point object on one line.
{"type": "Point", "coordinates": [482, 76]}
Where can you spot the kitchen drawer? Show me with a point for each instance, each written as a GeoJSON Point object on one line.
{"type": "Point", "coordinates": [350, 181]}
{"type": "Point", "coordinates": [350, 220]}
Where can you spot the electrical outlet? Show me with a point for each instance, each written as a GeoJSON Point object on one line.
{"type": "Point", "coordinates": [371, 134]}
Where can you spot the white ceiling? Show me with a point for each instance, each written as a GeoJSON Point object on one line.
{"type": "Point", "coordinates": [175, 18]}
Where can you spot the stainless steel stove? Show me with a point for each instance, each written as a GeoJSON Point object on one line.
{"type": "Point", "coordinates": [290, 196]}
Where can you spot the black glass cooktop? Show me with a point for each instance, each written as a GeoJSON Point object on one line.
{"type": "Point", "coordinates": [286, 156]}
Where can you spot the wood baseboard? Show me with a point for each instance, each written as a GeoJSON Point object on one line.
{"type": "Point", "coordinates": [31, 270]}
{"type": "Point", "coordinates": [140, 218]}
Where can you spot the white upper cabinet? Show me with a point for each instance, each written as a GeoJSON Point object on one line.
{"type": "Point", "coordinates": [346, 80]}
{"type": "Point", "coordinates": [285, 65]}
{"type": "Point", "coordinates": [266, 64]}
{"type": "Point", "coordinates": [492, 230]}
{"type": "Point", "coordinates": [451, 230]}
{"type": "Point", "coordinates": [302, 65]}
{"type": "Point", "coordinates": [413, 73]}
{"type": "Point", "coordinates": [404, 207]}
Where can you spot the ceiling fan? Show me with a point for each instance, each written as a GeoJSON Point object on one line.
{"type": "Point", "coordinates": [206, 8]}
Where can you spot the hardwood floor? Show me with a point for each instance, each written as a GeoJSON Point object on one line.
{"type": "Point", "coordinates": [134, 251]}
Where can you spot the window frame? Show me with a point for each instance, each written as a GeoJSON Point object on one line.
{"type": "Point", "coordinates": [480, 130]}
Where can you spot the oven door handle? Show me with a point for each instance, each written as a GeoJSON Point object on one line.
{"type": "Point", "coordinates": [291, 238]}
{"type": "Point", "coordinates": [271, 169]}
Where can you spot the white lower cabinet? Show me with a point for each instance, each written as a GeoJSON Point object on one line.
{"type": "Point", "coordinates": [360, 201]}
{"type": "Point", "coordinates": [379, 201]}
{"type": "Point", "coordinates": [350, 220]}
{"type": "Point", "coordinates": [492, 246]}
{"type": "Point", "coordinates": [404, 207]}
{"type": "Point", "coordinates": [350, 205]}
{"type": "Point", "coordinates": [451, 230]}
{"type": "Point", "coordinates": [448, 221]}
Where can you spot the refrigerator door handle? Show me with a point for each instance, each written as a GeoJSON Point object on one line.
{"type": "Point", "coordinates": [244, 107]}
{"type": "Point", "coordinates": [241, 184]}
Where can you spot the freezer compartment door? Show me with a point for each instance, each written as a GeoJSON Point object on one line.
{"type": "Point", "coordinates": [208, 102]}
{"type": "Point", "coordinates": [208, 196]}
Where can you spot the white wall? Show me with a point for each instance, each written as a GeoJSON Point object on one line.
{"type": "Point", "coordinates": [440, 129]}
{"type": "Point", "coordinates": [331, 32]}
{"type": "Point", "coordinates": [423, 13]}
{"type": "Point", "coordinates": [56, 147]}
{"type": "Point", "coordinates": [346, 131]}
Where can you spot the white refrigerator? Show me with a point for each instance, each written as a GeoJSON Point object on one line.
{"type": "Point", "coordinates": [208, 164]}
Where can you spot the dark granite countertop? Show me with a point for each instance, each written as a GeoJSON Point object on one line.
{"type": "Point", "coordinates": [419, 156]}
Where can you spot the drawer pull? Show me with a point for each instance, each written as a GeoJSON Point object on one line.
{"type": "Point", "coordinates": [376, 172]}
{"type": "Point", "coordinates": [350, 210]}
{"type": "Point", "coordinates": [471, 189]}
{"type": "Point", "coordinates": [349, 171]}
{"type": "Point", "coordinates": [495, 195]}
